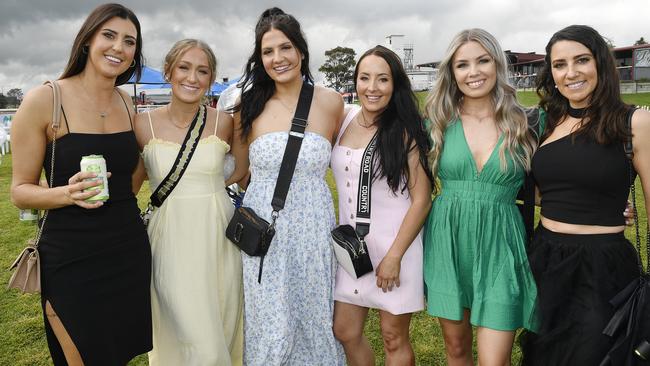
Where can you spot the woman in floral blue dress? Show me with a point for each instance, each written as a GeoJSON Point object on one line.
{"type": "Point", "coordinates": [288, 315]}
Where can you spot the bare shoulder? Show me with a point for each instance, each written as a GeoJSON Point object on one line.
{"type": "Point", "coordinates": [37, 105]}
{"type": "Point", "coordinates": [641, 122]}
{"type": "Point", "coordinates": [127, 99]}
{"type": "Point", "coordinates": [329, 99]}
{"type": "Point", "coordinates": [211, 113]}
{"type": "Point", "coordinates": [641, 128]}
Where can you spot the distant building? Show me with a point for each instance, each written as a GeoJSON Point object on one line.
{"type": "Point", "coordinates": [633, 62]}
{"type": "Point", "coordinates": [524, 68]}
{"type": "Point", "coordinates": [422, 78]}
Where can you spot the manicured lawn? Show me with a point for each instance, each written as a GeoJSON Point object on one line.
{"type": "Point", "coordinates": [529, 98]}
{"type": "Point", "coordinates": [22, 340]}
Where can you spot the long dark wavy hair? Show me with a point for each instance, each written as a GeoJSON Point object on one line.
{"type": "Point", "coordinates": [400, 127]}
{"type": "Point", "coordinates": [257, 84]}
{"type": "Point", "coordinates": [606, 111]}
{"type": "Point", "coordinates": [97, 18]}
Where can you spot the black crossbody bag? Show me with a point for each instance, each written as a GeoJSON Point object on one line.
{"type": "Point", "coordinates": [251, 233]}
{"type": "Point", "coordinates": [183, 158]}
{"type": "Point", "coordinates": [349, 245]}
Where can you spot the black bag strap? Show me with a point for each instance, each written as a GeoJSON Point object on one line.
{"type": "Point", "coordinates": [183, 158]}
{"type": "Point", "coordinates": [629, 153]}
{"type": "Point", "coordinates": [296, 134]}
{"type": "Point", "coordinates": [527, 192]}
{"type": "Point", "coordinates": [365, 189]}
{"type": "Point", "coordinates": [290, 157]}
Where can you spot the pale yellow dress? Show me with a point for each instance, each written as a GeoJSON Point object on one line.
{"type": "Point", "coordinates": [196, 288]}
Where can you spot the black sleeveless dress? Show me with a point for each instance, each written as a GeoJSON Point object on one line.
{"type": "Point", "coordinates": [96, 264]}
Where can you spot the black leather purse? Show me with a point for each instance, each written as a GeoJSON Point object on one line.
{"type": "Point", "coordinates": [251, 233]}
{"type": "Point", "coordinates": [349, 246]}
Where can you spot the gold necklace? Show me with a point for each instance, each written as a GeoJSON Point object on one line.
{"type": "Point", "coordinates": [169, 115]}
{"type": "Point", "coordinates": [365, 123]}
{"type": "Point", "coordinates": [102, 114]}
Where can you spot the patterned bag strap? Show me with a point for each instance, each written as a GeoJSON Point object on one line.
{"type": "Point", "coordinates": [183, 158]}
{"type": "Point", "coordinates": [629, 153]}
{"type": "Point", "coordinates": [56, 123]}
{"type": "Point", "coordinates": [364, 191]}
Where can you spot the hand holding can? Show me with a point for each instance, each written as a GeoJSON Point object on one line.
{"type": "Point", "coordinates": [96, 164]}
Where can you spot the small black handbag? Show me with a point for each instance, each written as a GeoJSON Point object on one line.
{"type": "Point", "coordinates": [349, 245]}
{"type": "Point", "coordinates": [247, 230]}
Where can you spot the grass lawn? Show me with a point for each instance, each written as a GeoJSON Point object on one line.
{"type": "Point", "coordinates": [21, 329]}
{"type": "Point", "coordinates": [529, 98]}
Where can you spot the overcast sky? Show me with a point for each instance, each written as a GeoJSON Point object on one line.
{"type": "Point", "coordinates": [36, 35]}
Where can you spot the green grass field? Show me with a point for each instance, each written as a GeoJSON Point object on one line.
{"type": "Point", "coordinates": [22, 339]}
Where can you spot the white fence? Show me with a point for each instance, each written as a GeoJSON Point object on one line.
{"type": "Point", "coordinates": [6, 116]}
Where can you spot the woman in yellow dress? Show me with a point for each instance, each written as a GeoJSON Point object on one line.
{"type": "Point", "coordinates": [196, 289]}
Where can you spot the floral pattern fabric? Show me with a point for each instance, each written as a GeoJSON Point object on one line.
{"type": "Point", "coordinates": [288, 316]}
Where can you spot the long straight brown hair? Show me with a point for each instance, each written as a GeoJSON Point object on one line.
{"type": "Point", "coordinates": [99, 16]}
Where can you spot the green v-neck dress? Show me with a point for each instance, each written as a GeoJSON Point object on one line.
{"type": "Point", "coordinates": [474, 241]}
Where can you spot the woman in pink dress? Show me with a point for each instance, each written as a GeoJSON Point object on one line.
{"type": "Point", "coordinates": [400, 202]}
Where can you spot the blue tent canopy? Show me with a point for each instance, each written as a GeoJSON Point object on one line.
{"type": "Point", "coordinates": [149, 76]}
{"type": "Point", "coordinates": [153, 79]}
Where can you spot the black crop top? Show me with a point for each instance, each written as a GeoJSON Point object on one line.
{"type": "Point", "coordinates": [581, 181]}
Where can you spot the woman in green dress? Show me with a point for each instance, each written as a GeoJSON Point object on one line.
{"type": "Point", "coordinates": [475, 266]}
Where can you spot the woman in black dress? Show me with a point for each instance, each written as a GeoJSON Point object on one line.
{"type": "Point", "coordinates": [95, 257]}
{"type": "Point", "coordinates": [579, 256]}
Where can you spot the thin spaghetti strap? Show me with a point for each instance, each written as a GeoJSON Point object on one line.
{"type": "Point", "coordinates": [65, 119]}
{"type": "Point", "coordinates": [127, 108]}
{"type": "Point", "coordinates": [153, 136]}
{"type": "Point", "coordinates": [216, 123]}
{"type": "Point", "coordinates": [350, 116]}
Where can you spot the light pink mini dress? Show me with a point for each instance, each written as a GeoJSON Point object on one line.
{"type": "Point", "coordinates": [387, 212]}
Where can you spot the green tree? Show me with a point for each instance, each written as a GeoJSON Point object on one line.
{"type": "Point", "coordinates": [3, 101]}
{"type": "Point", "coordinates": [640, 41]}
{"type": "Point", "coordinates": [15, 93]}
{"type": "Point", "coordinates": [338, 67]}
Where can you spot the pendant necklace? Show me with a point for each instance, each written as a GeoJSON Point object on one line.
{"type": "Point", "coordinates": [102, 114]}
{"type": "Point", "coordinates": [169, 115]}
{"type": "Point", "coordinates": [365, 123]}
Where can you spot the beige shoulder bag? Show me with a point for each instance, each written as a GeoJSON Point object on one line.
{"type": "Point", "coordinates": [27, 274]}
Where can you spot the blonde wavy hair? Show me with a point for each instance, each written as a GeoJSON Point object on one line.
{"type": "Point", "coordinates": [178, 50]}
{"type": "Point", "coordinates": [445, 99]}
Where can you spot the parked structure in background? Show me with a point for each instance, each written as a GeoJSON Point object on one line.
{"type": "Point", "coordinates": [632, 62]}
{"type": "Point", "coordinates": [422, 77]}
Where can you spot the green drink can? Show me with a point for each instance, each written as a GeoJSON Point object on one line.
{"type": "Point", "coordinates": [96, 164]}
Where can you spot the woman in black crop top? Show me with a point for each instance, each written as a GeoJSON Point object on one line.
{"type": "Point", "coordinates": [95, 257]}
{"type": "Point", "coordinates": [579, 256]}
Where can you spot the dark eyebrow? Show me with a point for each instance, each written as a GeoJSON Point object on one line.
{"type": "Point", "coordinates": [114, 32]}
{"type": "Point", "coordinates": [582, 55]}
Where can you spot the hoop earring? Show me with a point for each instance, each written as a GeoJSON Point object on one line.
{"type": "Point", "coordinates": [84, 49]}
{"type": "Point", "coordinates": [133, 63]}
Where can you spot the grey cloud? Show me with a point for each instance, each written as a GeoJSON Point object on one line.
{"type": "Point", "coordinates": [36, 35]}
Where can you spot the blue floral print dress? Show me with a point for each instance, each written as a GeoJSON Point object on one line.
{"type": "Point", "coordinates": [288, 316]}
